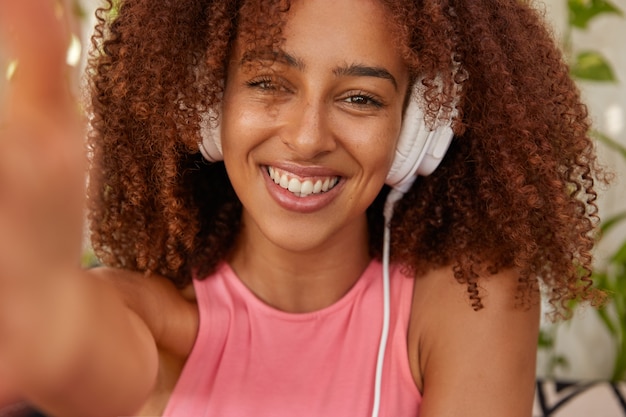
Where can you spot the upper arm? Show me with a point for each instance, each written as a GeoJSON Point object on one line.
{"type": "Point", "coordinates": [108, 345]}
{"type": "Point", "coordinates": [475, 363]}
{"type": "Point", "coordinates": [78, 350]}
{"type": "Point", "coordinates": [170, 317]}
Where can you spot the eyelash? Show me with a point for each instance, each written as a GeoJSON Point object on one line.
{"type": "Point", "coordinates": [263, 83]}
{"type": "Point", "coordinates": [369, 99]}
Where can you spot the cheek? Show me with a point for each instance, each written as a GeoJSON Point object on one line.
{"type": "Point", "coordinates": [373, 149]}
{"type": "Point", "coordinates": [239, 137]}
{"type": "Point", "coordinates": [244, 126]}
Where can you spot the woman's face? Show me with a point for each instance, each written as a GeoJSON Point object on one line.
{"type": "Point", "coordinates": [309, 137]}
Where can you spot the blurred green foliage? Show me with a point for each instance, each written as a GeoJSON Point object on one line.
{"type": "Point", "coordinates": [581, 12]}
{"type": "Point", "coordinates": [588, 65]}
{"type": "Point", "coordinates": [611, 278]}
{"type": "Point", "coordinates": [591, 65]}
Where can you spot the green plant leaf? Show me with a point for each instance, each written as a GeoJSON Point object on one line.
{"type": "Point", "coordinates": [546, 341]}
{"type": "Point", "coordinates": [612, 221]}
{"type": "Point", "coordinates": [619, 369]}
{"type": "Point", "coordinates": [600, 279]}
{"type": "Point", "coordinates": [559, 361]}
{"type": "Point", "coordinates": [592, 66]}
{"type": "Point", "coordinates": [610, 142]}
{"type": "Point", "coordinates": [620, 255]}
{"type": "Point", "coordinates": [581, 12]}
{"type": "Point", "coordinates": [608, 323]}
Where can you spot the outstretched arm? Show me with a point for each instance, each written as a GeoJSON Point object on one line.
{"type": "Point", "coordinates": [68, 342]}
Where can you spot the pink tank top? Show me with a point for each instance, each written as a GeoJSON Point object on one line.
{"type": "Point", "coordinates": [251, 360]}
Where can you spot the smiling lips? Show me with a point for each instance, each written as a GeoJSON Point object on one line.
{"type": "Point", "coordinates": [301, 187]}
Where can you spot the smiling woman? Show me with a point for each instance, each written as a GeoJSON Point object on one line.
{"type": "Point", "coordinates": [247, 157]}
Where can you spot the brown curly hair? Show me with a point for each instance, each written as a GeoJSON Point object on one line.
{"type": "Point", "coordinates": [516, 188]}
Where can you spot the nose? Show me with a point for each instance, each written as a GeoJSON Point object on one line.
{"type": "Point", "coordinates": [307, 131]}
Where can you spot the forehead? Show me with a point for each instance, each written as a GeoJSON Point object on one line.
{"type": "Point", "coordinates": [318, 29]}
{"type": "Point", "coordinates": [339, 21]}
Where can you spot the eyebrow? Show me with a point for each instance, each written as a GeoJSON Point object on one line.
{"type": "Point", "coordinates": [274, 56]}
{"type": "Point", "coordinates": [352, 70]}
{"type": "Point", "coordinates": [359, 70]}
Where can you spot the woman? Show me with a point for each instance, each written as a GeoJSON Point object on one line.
{"type": "Point", "coordinates": [255, 286]}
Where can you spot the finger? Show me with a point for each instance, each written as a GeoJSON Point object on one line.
{"type": "Point", "coordinates": [35, 33]}
{"type": "Point", "coordinates": [34, 38]}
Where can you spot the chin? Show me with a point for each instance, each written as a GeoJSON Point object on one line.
{"type": "Point", "coordinates": [299, 242]}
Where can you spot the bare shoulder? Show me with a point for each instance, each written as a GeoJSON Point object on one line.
{"type": "Point", "coordinates": [170, 314]}
{"type": "Point", "coordinates": [467, 362]}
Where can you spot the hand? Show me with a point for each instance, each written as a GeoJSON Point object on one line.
{"type": "Point", "coordinates": [41, 140]}
{"type": "Point", "coordinates": [42, 165]}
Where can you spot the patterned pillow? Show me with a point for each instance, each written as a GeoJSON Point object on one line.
{"type": "Point", "coordinates": [552, 399]}
{"type": "Point", "coordinates": [580, 399]}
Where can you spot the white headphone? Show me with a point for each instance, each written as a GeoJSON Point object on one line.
{"type": "Point", "coordinates": [418, 152]}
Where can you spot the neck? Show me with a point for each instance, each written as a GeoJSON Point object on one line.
{"type": "Point", "coordinates": [305, 280]}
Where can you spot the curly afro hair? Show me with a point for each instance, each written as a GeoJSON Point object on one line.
{"type": "Point", "coordinates": [515, 190]}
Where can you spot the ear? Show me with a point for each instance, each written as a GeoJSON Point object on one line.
{"type": "Point", "coordinates": [419, 150]}
{"type": "Point", "coordinates": [210, 131]}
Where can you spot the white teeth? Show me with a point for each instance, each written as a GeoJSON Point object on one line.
{"type": "Point", "coordinates": [307, 188]}
{"type": "Point", "coordinates": [301, 188]}
{"type": "Point", "coordinates": [283, 181]}
{"type": "Point", "coordinates": [294, 185]}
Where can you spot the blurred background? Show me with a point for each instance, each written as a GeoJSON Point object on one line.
{"type": "Point", "coordinates": [593, 344]}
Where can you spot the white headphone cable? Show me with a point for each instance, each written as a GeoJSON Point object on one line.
{"type": "Point", "coordinates": [392, 198]}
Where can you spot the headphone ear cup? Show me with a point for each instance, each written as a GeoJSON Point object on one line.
{"type": "Point", "coordinates": [211, 140]}
{"type": "Point", "coordinates": [419, 150]}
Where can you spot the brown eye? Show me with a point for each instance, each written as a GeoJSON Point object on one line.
{"type": "Point", "coordinates": [363, 100]}
{"type": "Point", "coordinates": [263, 83]}
{"type": "Point", "coordinates": [269, 84]}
